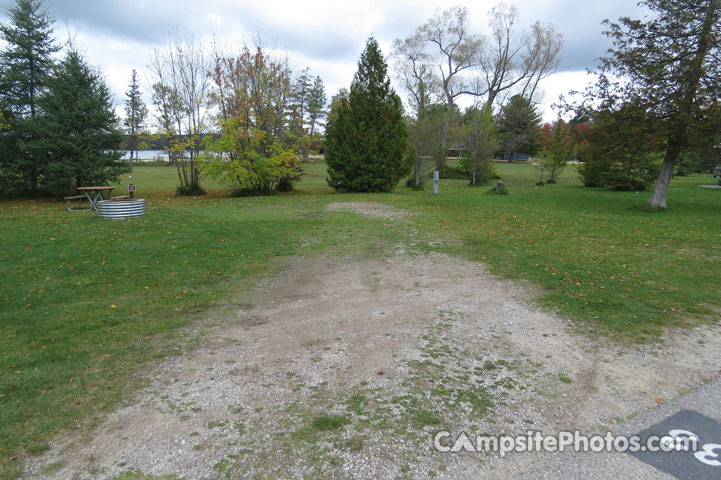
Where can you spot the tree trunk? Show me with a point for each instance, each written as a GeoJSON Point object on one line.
{"type": "Point", "coordinates": [440, 161]}
{"type": "Point", "coordinates": [658, 197]}
{"type": "Point", "coordinates": [175, 161]}
{"type": "Point", "coordinates": [34, 181]}
{"type": "Point", "coordinates": [679, 140]}
{"type": "Point", "coordinates": [417, 170]}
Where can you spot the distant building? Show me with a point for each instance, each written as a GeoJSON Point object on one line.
{"type": "Point", "coordinates": [517, 157]}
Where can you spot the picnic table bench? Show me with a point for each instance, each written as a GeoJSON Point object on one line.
{"type": "Point", "coordinates": [91, 194]}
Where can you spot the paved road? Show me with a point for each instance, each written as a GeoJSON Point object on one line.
{"type": "Point", "coordinates": [698, 412]}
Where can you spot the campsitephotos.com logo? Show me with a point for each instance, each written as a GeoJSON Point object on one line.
{"type": "Point", "coordinates": [535, 441]}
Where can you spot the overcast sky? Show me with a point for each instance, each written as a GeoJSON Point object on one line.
{"type": "Point", "coordinates": [118, 36]}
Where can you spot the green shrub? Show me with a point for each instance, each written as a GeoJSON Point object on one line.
{"type": "Point", "coordinates": [484, 174]}
{"type": "Point", "coordinates": [591, 173]}
{"type": "Point", "coordinates": [623, 172]}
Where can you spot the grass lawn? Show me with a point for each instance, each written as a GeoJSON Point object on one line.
{"type": "Point", "coordinates": [600, 256]}
{"type": "Point", "coordinates": [86, 302]}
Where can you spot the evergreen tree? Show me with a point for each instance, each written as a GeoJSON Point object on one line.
{"type": "Point", "coordinates": [520, 127]}
{"type": "Point", "coordinates": [366, 141]}
{"type": "Point", "coordinates": [335, 103]}
{"type": "Point", "coordinates": [135, 114]}
{"type": "Point", "coordinates": [301, 92]}
{"type": "Point", "coordinates": [666, 65]}
{"type": "Point", "coordinates": [24, 67]}
{"type": "Point", "coordinates": [78, 129]}
{"type": "Point", "coordinates": [316, 104]}
{"type": "Point", "coordinates": [624, 151]}
{"type": "Point", "coordinates": [302, 119]}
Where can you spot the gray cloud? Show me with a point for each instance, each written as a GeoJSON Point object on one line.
{"type": "Point", "coordinates": [580, 23]}
{"type": "Point", "coordinates": [142, 22]}
{"type": "Point", "coordinates": [327, 42]}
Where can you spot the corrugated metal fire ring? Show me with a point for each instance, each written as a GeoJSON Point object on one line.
{"type": "Point", "coordinates": [121, 208]}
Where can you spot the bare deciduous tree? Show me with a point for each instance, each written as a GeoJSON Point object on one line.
{"type": "Point", "coordinates": [481, 141]}
{"type": "Point", "coordinates": [515, 62]}
{"type": "Point", "coordinates": [181, 87]}
{"type": "Point", "coordinates": [454, 51]}
{"type": "Point", "coordinates": [416, 74]}
{"type": "Point", "coordinates": [510, 61]}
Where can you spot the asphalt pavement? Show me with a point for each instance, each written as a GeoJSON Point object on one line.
{"type": "Point", "coordinates": [691, 425]}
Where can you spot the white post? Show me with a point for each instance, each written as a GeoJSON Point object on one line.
{"type": "Point", "coordinates": [436, 177]}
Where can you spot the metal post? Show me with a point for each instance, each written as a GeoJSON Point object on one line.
{"type": "Point", "coordinates": [436, 177]}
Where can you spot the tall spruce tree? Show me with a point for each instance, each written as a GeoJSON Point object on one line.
{"type": "Point", "coordinates": [78, 129]}
{"type": "Point", "coordinates": [520, 126]}
{"type": "Point", "coordinates": [316, 104]}
{"type": "Point", "coordinates": [135, 114]}
{"type": "Point", "coordinates": [301, 91]}
{"type": "Point", "coordinates": [25, 64]}
{"type": "Point", "coordinates": [366, 140]}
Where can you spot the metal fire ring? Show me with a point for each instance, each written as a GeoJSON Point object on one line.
{"type": "Point", "coordinates": [121, 208]}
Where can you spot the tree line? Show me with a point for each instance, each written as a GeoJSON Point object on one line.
{"type": "Point", "coordinates": [241, 117]}
{"type": "Point", "coordinates": [244, 118]}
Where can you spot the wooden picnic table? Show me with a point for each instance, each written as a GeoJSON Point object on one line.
{"type": "Point", "coordinates": [93, 194]}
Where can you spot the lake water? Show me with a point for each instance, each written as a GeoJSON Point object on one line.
{"type": "Point", "coordinates": [147, 155]}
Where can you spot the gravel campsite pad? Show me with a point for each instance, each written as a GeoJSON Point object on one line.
{"type": "Point", "coordinates": [369, 209]}
{"type": "Point", "coordinates": [347, 367]}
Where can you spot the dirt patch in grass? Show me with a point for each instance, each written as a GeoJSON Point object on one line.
{"type": "Point", "coordinates": [368, 209]}
{"type": "Point", "coordinates": [348, 367]}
